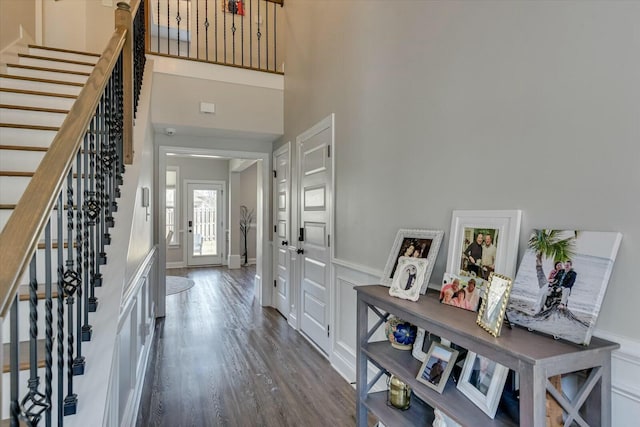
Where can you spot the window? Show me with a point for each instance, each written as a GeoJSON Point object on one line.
{"type": "Point", "coordinates": [171, 204]}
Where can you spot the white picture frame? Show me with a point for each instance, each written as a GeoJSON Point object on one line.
{"type": "Point", "coordinates": [504, 228]}
{"type": "Point", "coordinates": [428, 243]}
{"type": "Point", "coordinates": [482, 381]}
{"type": "Point", "coordinates": [422, 343]}
{"type": "Point", "coordinates": [408, 278]}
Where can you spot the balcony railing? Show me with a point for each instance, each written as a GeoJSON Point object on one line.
{"type": "Point", "coordinates": [240, 33]}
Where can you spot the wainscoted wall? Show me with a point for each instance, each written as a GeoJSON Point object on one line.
{"type": "Point", "coordinates": [625, 361]}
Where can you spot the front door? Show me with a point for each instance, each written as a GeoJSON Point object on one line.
{"type": "Point", "coordinates": [281, 230]}
{"type": "Point", "coordinates": [315, 205]}
{"type": "Point", "coordinates": [204, 223]}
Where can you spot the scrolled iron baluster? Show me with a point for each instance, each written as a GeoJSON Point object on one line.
{"type": "Point", "coordinates": [78, 361]}
{"type": "Point", "coordinates": [60, 312]}
{"type": "Point", "coordinates": [87, 239]}
{"type": "Point", "coordinates": [259, 35]}
{"type": "Point", "coordinates": [35, 403]}
{"type": "Point", "coordinates": [92, 213]}
{"type": "Point", "coordinates": [48, 322]}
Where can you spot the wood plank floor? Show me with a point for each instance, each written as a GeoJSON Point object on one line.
{"type": "Point", "coordinates": [219, 359]}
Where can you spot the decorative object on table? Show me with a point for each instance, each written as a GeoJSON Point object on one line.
{"type": "Point", "coordinates": [442, 420]}
{"type": "Point", "coordinates": [246, 218]}
{"type": "Point", "coordinates": [413, 243]}
{"type": "Point", "coordinates": [494, 304]}
{"type": "Point", "coordinates": [408, 278]}
{"type": "Point", "coordinates": [462, 291]}
{"type": "Point", "coordinates": [437, 367]}
{"type": "Point", "coordinates": [398, 393]}
{"type": "Point", "coordinates": [401, 334]}
{"type": "Point", "coordinates": [482, 382]}
{"type": "Point", "coordinates": [423, 343]}
{"type": "Point", "coordinates": [561, 282]}
{"type": "Point", "coordinates": [484, 241]}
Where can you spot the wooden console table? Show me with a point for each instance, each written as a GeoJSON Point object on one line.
{"type": "Point", "coordinates": [534, 357]}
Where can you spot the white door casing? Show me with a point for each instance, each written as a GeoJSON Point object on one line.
{"type": "Point", "coordinates": [315, 222]}
{"type": "Point", "coordinates": [204, 225]}
{"type": "Point", "coordinates": [282, 228]}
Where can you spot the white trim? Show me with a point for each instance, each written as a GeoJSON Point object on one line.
{"type": "Point", "coordinates": [220, 228]}
{"type": "Point", "coordinates": [175, 264]}
{"type": "Point", "coordinates": [290, 301]}
{"type": "Point", "coordinates": [221, 73]}
{"type": "Point", "coordinates": [357, 267]}
{"type": "Point", "coordinates": [234, 261]}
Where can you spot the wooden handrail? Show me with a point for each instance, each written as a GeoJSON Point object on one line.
{"type": "Point", "coordinates": [20, 235]}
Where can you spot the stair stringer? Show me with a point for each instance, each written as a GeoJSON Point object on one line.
{"type": "Point", "coordinates": [98, 390]}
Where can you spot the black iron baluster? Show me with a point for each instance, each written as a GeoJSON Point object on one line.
{"type": "Point", "coordinates": [250, 33]}
{"type": "Point", "coordinates": [224, 30]}
{"type": "Point", "coordinates": [188, 32]}
{"type": "Point", "coordinates": [139, 57]}
{"type": "Point", "coordinates": [168, 27]}
{"type": "Point", "coordinates": [275, 38]}
{"type": "Point", "coordinates": [71, 282]}
{"type": "Point", "coordinates": [78, 361]}
{"type": "Point", "coordinates": [178, 19]}
{"type": "Point", "coordinates": [60, 310]}
{"type": "Point", "coordinates": [233, 32]}
{"type": "Point", "coordinates": [34, 403]}
{"type": "Point", "coordinates": [266, 30]}
{"type": "Point", "coordinates": [158, 25]}
{"type": "Point", "coordinates": [198, 29]}
{"type": "Point", "coordinates": [259, 35]}
{"type": "Point", "coordinates": [92, 212]}
{"type": "Point", "coordinates": [14, 363]}
{"type": "Point", "coordinates": [48, 323]}
{"type": "Point", "coordinates": [215, 28]}
{"type": "Point", "coordinates": [206, 29]}
{"type": "Point", "coordinates": [86, 241]}
{"type": "Point", "coordinates": [242, 36]}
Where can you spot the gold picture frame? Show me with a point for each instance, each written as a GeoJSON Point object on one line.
{"type": "Point", "coordinates": [494, 303]}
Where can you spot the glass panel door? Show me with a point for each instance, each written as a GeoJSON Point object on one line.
{"type": "Point", "coordinates": [204, 224]}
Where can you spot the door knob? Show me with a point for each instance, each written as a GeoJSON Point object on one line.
{"type": "Point", "coordinates": [300, 251]}
{"type": "Point", "coordinates": [285, 242]}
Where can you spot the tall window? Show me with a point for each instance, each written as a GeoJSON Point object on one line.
{"type": "Point", "coordinates": [171, 204]}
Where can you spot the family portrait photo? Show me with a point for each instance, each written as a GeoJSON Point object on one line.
{"type": "Point", "coordinates": [418, 244]}
{"type": "Point", "coordinates": [462, 291]}
{"type": "Point", "coordinates": [561, 282]}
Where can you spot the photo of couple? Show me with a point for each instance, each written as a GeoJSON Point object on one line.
{"type": "Point", "coordinates": [479, 252]}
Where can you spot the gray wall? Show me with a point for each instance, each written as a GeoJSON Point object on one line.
{"type": "Point", "coordinates": [446, 105]}
{"type": "Point", "coordinates": [199, 169]}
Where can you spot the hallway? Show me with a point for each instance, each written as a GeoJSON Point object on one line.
{"type": "Point", "coordinates": [220, 359]}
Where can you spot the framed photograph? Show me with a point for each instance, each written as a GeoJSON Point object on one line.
{"type": "Point", "coordinates": [233, 6]}
{"type": "Point", "coordinates": [423, 343]}
{"type": "Point", "coordinates": [408, 278]}
{"type": "Point", "coordinates": [482, 381]}
{"type": "Point", "coordinates": [413, 243]}
{"type": "Point", "coordinates": [462, 291]}
{"type": "Point", "coordinates": [437, 366]}
{"type": "Point", "coordinates": [494, 304]}
{"type": "Point", "coordinates": [482, 242]}
{"type": "Point", "coordinates": [561, 282]}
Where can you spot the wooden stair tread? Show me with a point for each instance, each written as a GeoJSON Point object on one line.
{"type": "Point", "coordinates": [48, 58]}
{"type": "Point", "coordinates": [17, 174]}
{"type": "Point", "coordinates": [54, 245]}
{"type": "Point", "coordinates": [23, 353]}
{"type": "Point", "coordinates": [23, 292]}
{"type": "Point", "coordinates": [9, 206]}
{"type": "Point", "coordinates": [22, 148]}
{"type": "Point", "coordinates": [57, 49]}
{"type": "Point", "coordinates": [29, 108]}
{"type": "Point", "coordinates": [35, 92]}
{"type": "Point", "coordinates": [39, 80]}
{"type": "Point", "coordinates": [32, 127]}
{"type": "Point", "coordinates": [52, 70]}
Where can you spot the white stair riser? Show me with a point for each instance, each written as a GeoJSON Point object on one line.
{"type": "Point", "coordinates": [11, 188]}
{"type": "Point", "coordinates": [57, 65]}
{"type": "Point", "coordinates": [23, 322]}
{"type": "Point", "coordinates": [65, 77]}
{"type": "Point", "coordinates": [39, 86]}
{"type": "Point", "coordinates": [6, 213]}
{"type": "Point", "coordinates": [26, 137]}
{"type": "Point", "coordinates": [36, 100]}
{"type": "Point", "coordinates": [21, 161]}
{"type": "Point", "coordinates": [27, 117]}
{"type": "Point", "coordinates": [63, 55]}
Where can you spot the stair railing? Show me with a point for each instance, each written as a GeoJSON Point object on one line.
{"type": "Point", "coordinates": [73, 193]}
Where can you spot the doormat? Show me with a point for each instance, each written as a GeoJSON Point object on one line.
{"type": "Point", "coordinates": [177, 284]}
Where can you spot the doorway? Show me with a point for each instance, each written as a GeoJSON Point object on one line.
{"type": "Point", "coordinates": [205, 219]}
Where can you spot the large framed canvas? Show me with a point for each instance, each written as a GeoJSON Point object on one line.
{"type": "Point", "coordinates": [482, 242]}
{"type": "Point", "coordinates": [413, 243]}
{"type": "Point", "coordinates": [561, 282]}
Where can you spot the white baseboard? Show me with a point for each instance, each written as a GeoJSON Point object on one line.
{"type": "Point", "coordinates": [176, 264]}
{"type": "Point", "coordinates": [234, 261]}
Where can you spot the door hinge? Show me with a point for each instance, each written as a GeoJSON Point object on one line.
{"type": "Point", "coordinates": [327, 331]}
{"type": "Point", "coordinates": [328, 240]}
{"type": "Point", "coordinates": [328, 151]}
{"type": "Point", "coordinates": [275, 228]}
{"type": "Point", "coordinates": [274, 284]}
{"type": "Point", "coordinates": [301, 235]}
{"type": "Point", "coordinates": [275, 173]}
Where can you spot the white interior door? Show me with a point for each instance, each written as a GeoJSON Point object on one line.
{"type": "Point", "coordinates": [281, 235]}
{"type": "Point", "coordinates": [204, 223]}
{"type": "Point", "coordinates": [315, 205]}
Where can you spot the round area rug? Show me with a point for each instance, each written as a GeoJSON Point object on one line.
{"type": "Point", "coordinates": [177, 284]}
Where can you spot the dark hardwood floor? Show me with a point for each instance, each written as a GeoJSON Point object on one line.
{"type": "Point", "coordinates": [219, 359]}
